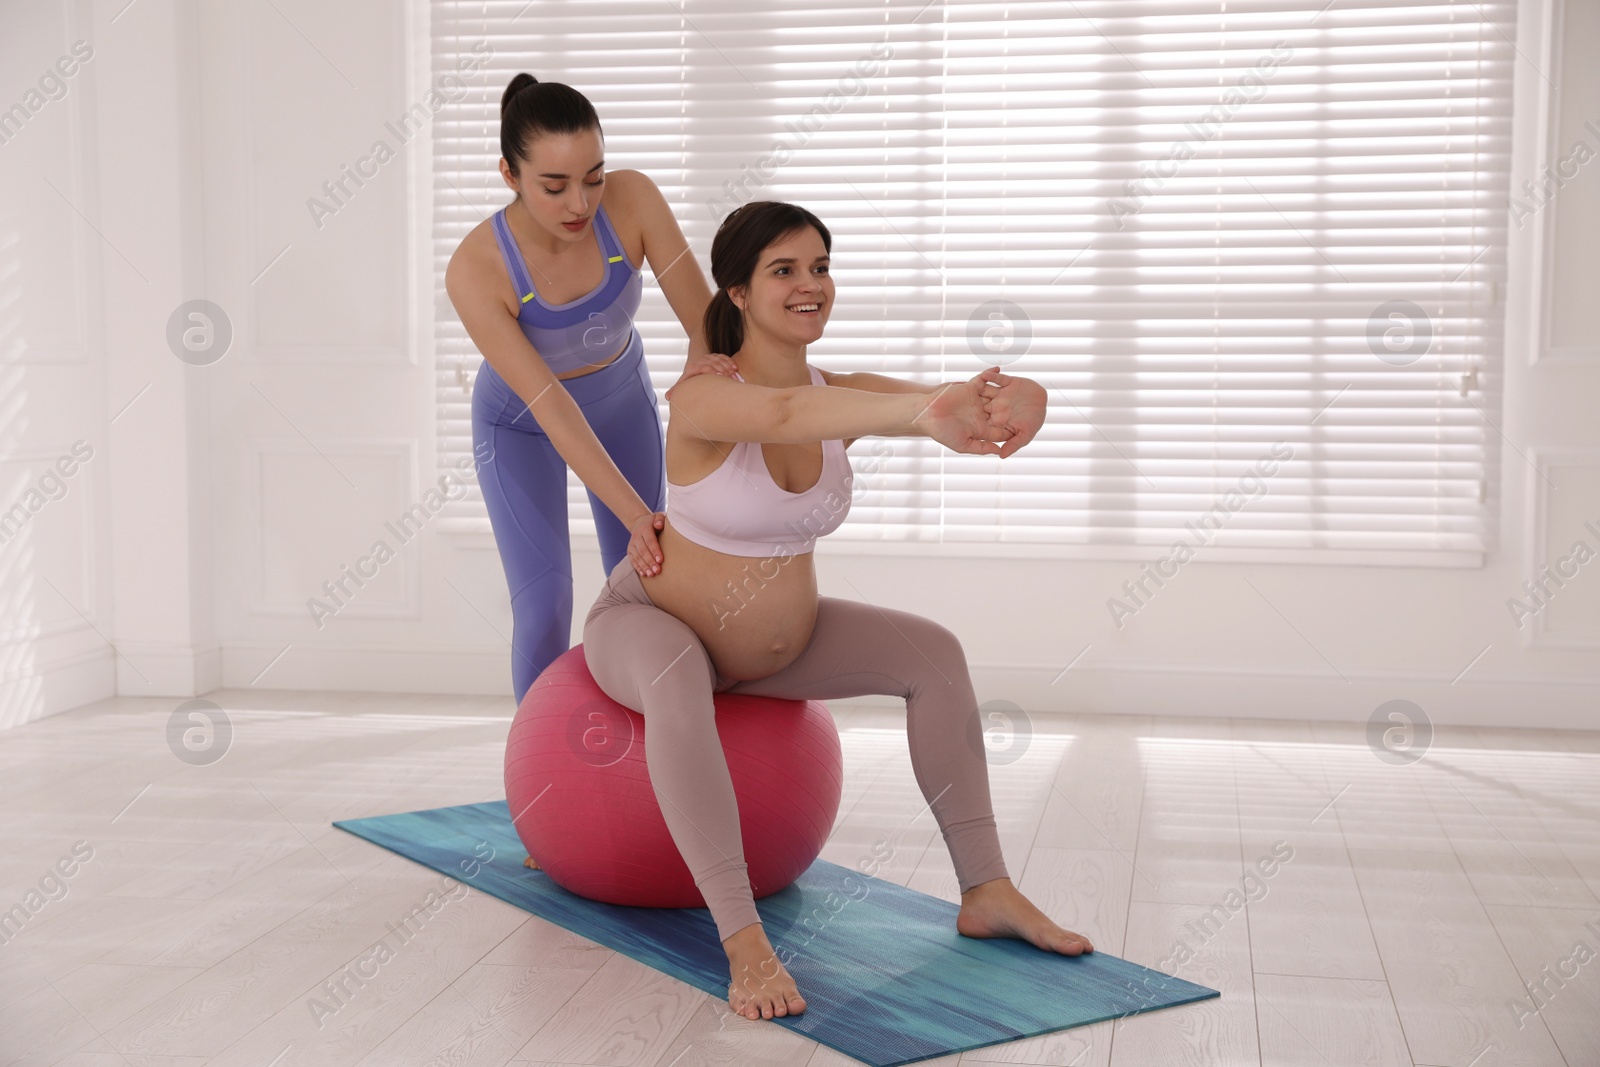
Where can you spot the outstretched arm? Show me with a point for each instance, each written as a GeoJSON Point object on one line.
{"type": "Point", "coordinates": [873, 383]}
{"type": "Point", "coordinates": [1015, 406]}
{"type": "Point", "coordinates": [718, 409]}
{"type": "Point", "coordinates": [876, 383]}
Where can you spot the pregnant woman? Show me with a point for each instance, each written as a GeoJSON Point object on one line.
{"type": "Point", "coordinates": [758, 472]}
{"type": "Point", "coordinates": [547, 290]}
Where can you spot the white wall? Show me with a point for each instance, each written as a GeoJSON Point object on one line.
{"type": "Point", "coordinates": [226, 494]}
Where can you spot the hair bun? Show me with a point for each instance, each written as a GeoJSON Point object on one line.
{"type": "Point", "coordinates": [516, 85]}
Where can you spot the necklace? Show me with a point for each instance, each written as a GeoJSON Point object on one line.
{"type": "Point", "coordinates": [530, 262]}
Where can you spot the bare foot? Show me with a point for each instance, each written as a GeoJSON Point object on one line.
{"type": "Point", "coordinates": [760, 987]}
{"type": "Point", "coordinates": [998, 909]}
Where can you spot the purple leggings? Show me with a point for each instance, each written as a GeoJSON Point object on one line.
{"type": "Point", "coordinates": [524, 482]}
{"type": "Point", "coordinates": [649, 660]}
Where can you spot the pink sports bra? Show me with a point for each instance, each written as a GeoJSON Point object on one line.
{"type": "Point", "coordinates": [740, 510]}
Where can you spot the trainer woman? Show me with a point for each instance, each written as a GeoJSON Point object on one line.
{"type": "Point", "coordinates": [547, 289]}
{"type": "Point", "coordinates": [738, 610]}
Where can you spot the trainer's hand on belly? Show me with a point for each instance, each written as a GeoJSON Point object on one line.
{"type": "Point", "coordinates": [644, 552]}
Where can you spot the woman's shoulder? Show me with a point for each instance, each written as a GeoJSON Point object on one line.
{"type": "Point", "coordinates": [630, 197]}
{"type": "Point", "coordinates": [478, 244]}
{"type": "Point", "coordinates": [629, 203]}
{"type": "Point", "coordinates": [628, 183]}
{"type": "Point", "coordinates": [477, 261]}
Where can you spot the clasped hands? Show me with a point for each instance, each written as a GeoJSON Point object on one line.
{"type": "Point", "coordinates": [989, 414]}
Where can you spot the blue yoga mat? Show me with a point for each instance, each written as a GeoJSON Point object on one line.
{"type": "Point", "coordinates": [886, 977]}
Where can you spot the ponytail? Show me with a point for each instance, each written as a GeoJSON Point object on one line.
{"type": "Point", "coordinates": [724, 324]}
{"type": "Point", "coordinates": [519, 83]}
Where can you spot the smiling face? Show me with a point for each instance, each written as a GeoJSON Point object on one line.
{"type": "Point", "coordinates": [561, 181]}
{"type": "Point", "coordinates": [790, 294]}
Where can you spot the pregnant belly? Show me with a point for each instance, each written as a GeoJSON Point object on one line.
{"type": "Point", "coordinates": [753, 615]}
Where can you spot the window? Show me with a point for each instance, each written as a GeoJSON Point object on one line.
{"type": "Point", "coordinates": [1252, 253]}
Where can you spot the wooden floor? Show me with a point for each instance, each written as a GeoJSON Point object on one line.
{"type": "Point", "coordinates": [219, 903]}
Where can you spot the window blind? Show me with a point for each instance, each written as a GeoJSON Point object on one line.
{"type": "Point", "coordinates": [1251, 250]}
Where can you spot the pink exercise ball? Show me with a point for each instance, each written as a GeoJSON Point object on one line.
{"type": "Point", "coordinates": [580, 795]}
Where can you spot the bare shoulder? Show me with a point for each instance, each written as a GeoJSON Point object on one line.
{"type": "Point", "coordinates": [690, 457]}
{"type": "Point", "coordinates": [627, 193]}
{"type": "Point", "coordinates": [631, 203]}
{"type": "Point", "coordinates": [474, 247]}
{"type": "Point", "coordinates": [630, 183]}
{"type": "Point", "coordinates": [476, 265]}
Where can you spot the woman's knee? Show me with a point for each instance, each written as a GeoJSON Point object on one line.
{"type": "Point", "coordinates": [931, 639]}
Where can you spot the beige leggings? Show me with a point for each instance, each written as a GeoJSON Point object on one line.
{"type": "Point", "coordinates": [649, 660]}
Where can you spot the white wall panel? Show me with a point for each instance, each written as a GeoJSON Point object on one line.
{"type": "Point", "coordinates": [324, 92]}
{"type": "Point", "coordinates": [1568, 193]}
{"type": "Point", "coordinates": [1560, 607]}
{"type": "Point", "coordinates": [46, 571]}
{"type": "Point", "coordinates": [320, 513]}
{"type": "Point", "coordinates": [45, 305]}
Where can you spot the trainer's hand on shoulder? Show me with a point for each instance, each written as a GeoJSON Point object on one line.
{"type": "Point", "coordinates": [1016, 408]}
{"type": "Point", "coordinates": [644, 552]}
{"type": "Point", "coordinates": [710, 363]}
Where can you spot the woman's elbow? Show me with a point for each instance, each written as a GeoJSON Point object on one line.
{"type": "Point", "coordinates": [786, 421]}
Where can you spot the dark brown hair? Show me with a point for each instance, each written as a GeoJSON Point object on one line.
{"type": "Point", "coordinates": [735, 251]}
{"type": "Point", "coordinates": [530, 108]}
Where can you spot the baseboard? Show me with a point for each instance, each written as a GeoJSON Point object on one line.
{"type": "Point", "coordinates": [48, 688]}
{"type": "Point", "coordinates": [1474, 699]}
{"type": "Point", "coordinates": [166, 669]}
{"type": "Point", "coordinates": [374, 670]}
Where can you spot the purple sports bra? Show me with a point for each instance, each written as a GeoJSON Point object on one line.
{"type": "Point", "coordinates": [581, 332]}
{"type": "Point", "coordinates": [740, 510]}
